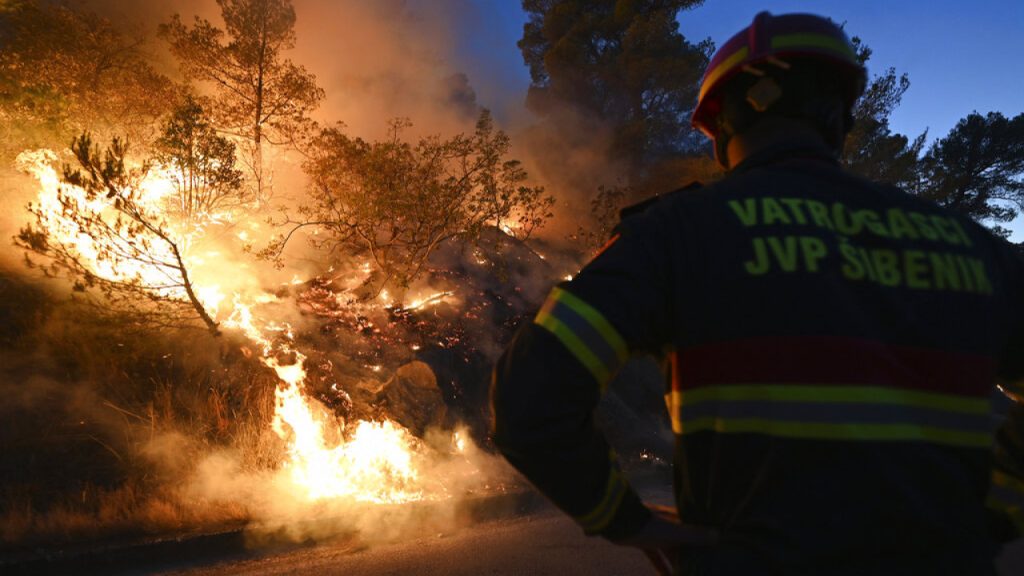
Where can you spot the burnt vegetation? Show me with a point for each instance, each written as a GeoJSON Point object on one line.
{"type": "Point", "coordinates": [412, 248]}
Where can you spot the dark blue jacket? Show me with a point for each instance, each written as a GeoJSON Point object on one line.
{"type": "Point", "coordinates": [833, 347]}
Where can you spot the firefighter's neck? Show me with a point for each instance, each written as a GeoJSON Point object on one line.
{"type": "Point", "coordinates": [774, 132]}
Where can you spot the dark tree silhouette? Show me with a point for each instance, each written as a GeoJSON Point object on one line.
{"type": "Point", "coordinates": [978, 168]}
{"type": "Point", "coordinates": [621, 65]}
{"type": "Point", "coordinates": [872, 149]}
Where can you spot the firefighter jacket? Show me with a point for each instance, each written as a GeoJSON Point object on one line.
{"type": "Point", "coordinates": [833, 346]}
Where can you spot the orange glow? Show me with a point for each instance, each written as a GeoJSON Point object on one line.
{"type": "Point", "coordinates": [327, 458]}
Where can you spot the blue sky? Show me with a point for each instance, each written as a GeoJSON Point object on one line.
{"type": "Point", "coordinates": [960, 56]}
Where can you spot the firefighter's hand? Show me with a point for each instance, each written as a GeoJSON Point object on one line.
{"type": "Point", "coordinates": [663, 535]}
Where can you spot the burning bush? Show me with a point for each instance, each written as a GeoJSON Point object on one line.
{"type": "Point", "coordinates": [400, 201]}
{"type": "Point", "coordinates": [104, 226]}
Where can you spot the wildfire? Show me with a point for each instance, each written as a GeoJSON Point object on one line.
{"type": "Point", "coordinates": [418, 303]}
{"type": "Point", "coordinates": [327, 458]}
{"type": "Point", "coordinates": [120, 260]}
{"type": "Point", "coordinates": [374, 462]}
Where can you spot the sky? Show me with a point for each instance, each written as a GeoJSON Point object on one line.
{"type": "Point", "coordinates": [960, 56]}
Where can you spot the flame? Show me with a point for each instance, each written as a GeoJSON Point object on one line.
{"type": "Point", "coordinates": [152, 196]}
{"type": "Point", "coordinates": [365, 461]}
{"type": "Point", "coordinates": [424, 301]}
{"type": "Point", "coordinates": [376, 462]}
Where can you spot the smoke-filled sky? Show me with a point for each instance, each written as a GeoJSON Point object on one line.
{"type": "Point", "coordinates": [389, 58]}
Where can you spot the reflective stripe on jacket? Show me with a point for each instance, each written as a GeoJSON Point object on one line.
{"type": "Point", "coordinates": [833, 346]}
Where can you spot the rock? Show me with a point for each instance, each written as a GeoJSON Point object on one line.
{"type": "Point", "coordinates": [413, 398]}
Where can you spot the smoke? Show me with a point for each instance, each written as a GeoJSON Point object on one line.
{"type": "Point", "coordinates": [17, 191]}
{"type": "Point", "coordinates": [386, 59]}
{"type": "Point", "coordinates": [410, 59]}
{"type": "Point", "coordinates": [376, 60]}
{"type": "Point", "coordinates": [451, 473]}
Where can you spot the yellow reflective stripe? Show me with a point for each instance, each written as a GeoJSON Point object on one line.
{"type": "Point", "coordinates": [674, 400]}
{"type": "Point", "coordinates": [585, 332]}
{"type": "Point", "coordinates": [596, 319]}
{"type": "Point", "coordinates": [1007, 496]}
{"type": "Point", "coordinates": [838, 431]}
{"type": "Point", "coordinates": [815, 41]}
{"type": "Point", "coordinates": [576, 346]}
{"type": "Point", "coordinates": [1007, 490]}
{"type": "Point", "coordinates": [720, 70]}
{"type": "Point", "coordinates": [835, 394]}
{"type": "Point", "coordinates": [601, 515]}
{"type": "Point", "coordinates": [1000, 478]}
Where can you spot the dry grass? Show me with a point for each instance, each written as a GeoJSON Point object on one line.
{"type": "Point", "coordinates": [128, 511]}
{"type": "Point", "coordinates": [103, 426]}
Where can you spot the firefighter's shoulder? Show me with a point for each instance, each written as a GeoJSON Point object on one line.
{"type": "Point", "coordinates": [643, 206]}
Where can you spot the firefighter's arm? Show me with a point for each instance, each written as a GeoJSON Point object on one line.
{"type": "Point", "coordinates": [543, 400]}
{"type": "Point", "coordinates": [1006, 492]}
{"type": "Point", "coordinates": [548, 383]}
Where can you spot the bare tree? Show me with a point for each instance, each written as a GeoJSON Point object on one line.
{"type": "Point", "coordinates": [261, 97]}
{"type": "Point", "coordinates": [106, 235]}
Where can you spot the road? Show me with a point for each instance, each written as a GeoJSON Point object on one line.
{"type": "Point", "coordinates": [543, 543]}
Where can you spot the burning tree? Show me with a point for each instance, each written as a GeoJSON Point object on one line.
{"type": "Point", "coordinates": [260, 96]}
{"type": "Point", "coordinates": [103, 227]}
{"type": "Point", "coordinates": [201, 164]}
{"type": "Point", "coordinates": [399, 201]}
{"type": "Point", "coordinates": [64, 69]}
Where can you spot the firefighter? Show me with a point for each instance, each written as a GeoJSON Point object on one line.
{"type": "Point", "coordinates": [832, 347]}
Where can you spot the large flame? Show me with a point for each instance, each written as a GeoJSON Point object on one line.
{"type": "Point", "coordinates": [153, 194]}
{"type": "Point", "coordinates": [378, 462]}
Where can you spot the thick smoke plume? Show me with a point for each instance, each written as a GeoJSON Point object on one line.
{"type": "Point", "coordinates": [376, 61]}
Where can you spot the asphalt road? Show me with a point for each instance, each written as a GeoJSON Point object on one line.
{"type": "Point", "coordinates": [543, 543]}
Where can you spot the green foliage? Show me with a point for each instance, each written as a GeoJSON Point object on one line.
{"type": "Point", "coordinates": [978, 168]}
{"type": "Point", "coordinates": [400, 200]}
{"type": "Point", "coordinates": [623, 65]}
{"type": "Point", "coordinates": [106, 235]}
{"type": "Point", "coordinates": [201, 164]}
{"type": "Point", "coordinates": [64, 70]}
{"type": "Point", "coordinates": [260, 95]}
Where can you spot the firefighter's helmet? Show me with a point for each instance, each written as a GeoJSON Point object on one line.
{"type": "Point", "coordinates": [772, 43]}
